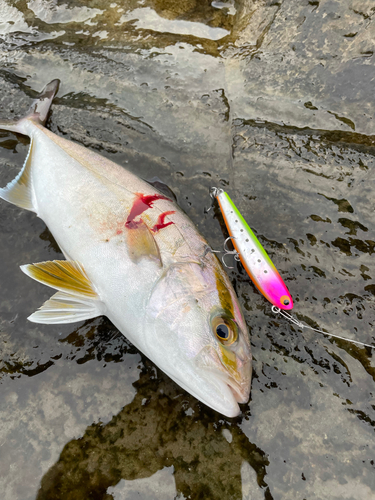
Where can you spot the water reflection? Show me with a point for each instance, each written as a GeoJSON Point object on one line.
{"type": "Point", "coordinates": [162, 427]}
{"type": "Point", "coordinates": [12, 20]}
{"type": "Point", "coordinates": [159, 486]}
{"type": "Point", "coordinates": [148, 19]}
{"type": "Point", "coordinates": [158, 23]}
{"type": "Point", "coordinates": [51, 12]}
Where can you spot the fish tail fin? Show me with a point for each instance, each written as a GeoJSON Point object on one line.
{"type": "Point", "coordinates": [19, 191]}
{"type": "Point", "coordinates": [12, 126]}
{"type": "Point", "coordinates": [39, 109]}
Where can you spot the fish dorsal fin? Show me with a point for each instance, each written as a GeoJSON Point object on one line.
{"type": "Point", "coordinates": [19, 191]}
{"type": "Point", "coordinates": [162, 187]}
{"type": "Point", "coordinates": [76, 299]}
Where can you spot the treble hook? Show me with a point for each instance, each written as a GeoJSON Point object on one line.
{"type": "Point", "coordinates": [228, 252]}
{"type": "Point", "coordinates": [206, 210]}
{"type": "Point", "coordinates": [225, 264]}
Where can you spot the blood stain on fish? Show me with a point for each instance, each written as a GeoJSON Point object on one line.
{"type": "Point", "coordinates": [140, 205]}
{"type": "Point", "coordinates": [160, 224]}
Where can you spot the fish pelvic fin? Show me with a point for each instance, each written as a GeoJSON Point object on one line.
{"type": "Point", "coordinates": [19, 191]}
{"type": "Point", "coordinates": [76, 298]}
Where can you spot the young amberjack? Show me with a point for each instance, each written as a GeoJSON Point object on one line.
{"type": "Point", "coordinates": [134, 256]}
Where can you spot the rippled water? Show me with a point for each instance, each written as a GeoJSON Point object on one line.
{"type": "Point", "coordinates": [273, 101]}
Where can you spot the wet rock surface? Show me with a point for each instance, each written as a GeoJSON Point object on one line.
{"type": "Point", "coordinates": [272, 101]}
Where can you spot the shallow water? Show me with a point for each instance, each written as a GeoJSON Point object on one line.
{"type": "Point", "coordinates": [274, 102]}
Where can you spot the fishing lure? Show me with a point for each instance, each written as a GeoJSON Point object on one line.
{"type": "Point", "coordinates": [258, 265]}
{"type": "Point", "coordinates": [252, 255]}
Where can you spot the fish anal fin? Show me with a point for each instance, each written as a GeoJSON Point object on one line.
{"type": "Point", "coordinates": [141, 243]}
{"type": "Point", "coordinates": [67, 308]}
{"type": "Point", "coordinates": [19, 191]}
{"type": "Point", "coordinates": [64, 275]}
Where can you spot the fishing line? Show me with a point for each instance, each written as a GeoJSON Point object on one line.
{"type": "Point", "coordinates": [298, 323]}
{"type": "Point", "coordinates": [277, 310]}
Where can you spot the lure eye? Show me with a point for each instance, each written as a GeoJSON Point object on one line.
{"type": "Point", "coordinates": [225, 330]}
{"type": "Point", "coordinates": [285, 300]}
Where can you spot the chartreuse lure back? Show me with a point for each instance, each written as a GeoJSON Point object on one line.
{"type": "Point", "coordinates": [254, 258]}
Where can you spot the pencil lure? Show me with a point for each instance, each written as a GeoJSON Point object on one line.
{"type": "Point", "coordinates": [254, 258]}
{"type": "Point", "coordinates": [259, 266]}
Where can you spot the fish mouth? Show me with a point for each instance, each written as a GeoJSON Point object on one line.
{"type": "Point", "coordinates": [233, 386]}
{"type": "Point", "coordinates": [239, 394]}
{"type": "Point", "coordinates": [226, 392]}
{"type": "Point", "coordinates": [233, 389]}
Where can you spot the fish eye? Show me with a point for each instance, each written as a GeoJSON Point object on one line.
{"type": "Point", "coordinates": [225, 330]}
{"type": "Point", "coordinates": [222, 331]}
{"type": "Point", "coordinates": [285, 300]}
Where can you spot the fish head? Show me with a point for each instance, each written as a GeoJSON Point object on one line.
{"type": "Point", "coordinates": [196, 333]}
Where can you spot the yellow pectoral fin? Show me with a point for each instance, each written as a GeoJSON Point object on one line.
{"type": "Point", "coordinates": [76, 299]}
{"type": "Point", "coordinates": [141, 243]}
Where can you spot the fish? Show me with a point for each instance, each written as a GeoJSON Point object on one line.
{"type": "Point", "coordinates": [132, 255]}
{"type": "Point", "coordinates": [252, 255]}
